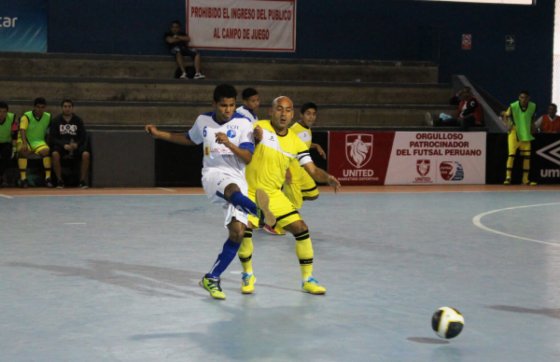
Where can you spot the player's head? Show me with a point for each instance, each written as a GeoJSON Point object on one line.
{"type": "Point", "coordinates": [465, 93]}
{"type": "Point", "coordinates": [67, 107]}
{"type": "Point", "coordinates": [552, 109]}
{"type": "Point", "coordinates": [175, 26]}
{"type": "Point", "coordinates": [39, 106]}
{"type": "Point", "coordinates": [308, 114]}
{"type": "Point", "coordinates": [3, 110]}
{"type": "Point", "coordinates": [251, 98]}
{"type": "Point", "coordinates": [524, 98]}
{"type": "Point", "coordinates": [224, 101]}
{"type": "Point", "coordinates": [281, 113]}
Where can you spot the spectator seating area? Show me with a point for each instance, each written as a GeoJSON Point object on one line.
{"type": "Point", "coordinates": [128, 91]}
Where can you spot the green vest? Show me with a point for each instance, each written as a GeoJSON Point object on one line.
{"type": "Point", "coordinates": [37, 130]}
{"type": "Point", "coordinates": [6, 129]}
{"type": "Point", "coordinates": [523, 120]}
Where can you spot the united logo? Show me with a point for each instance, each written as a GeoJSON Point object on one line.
{"type": "Point", "coordinates": [359, 149]}
{"type": "Point", "coordinates": [423, 167]}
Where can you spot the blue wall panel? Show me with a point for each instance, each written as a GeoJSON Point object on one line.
{"type": "Point", "coordinates": [341, 29]}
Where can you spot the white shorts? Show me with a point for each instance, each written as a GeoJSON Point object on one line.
{"type": "Point", "coordinates": [214, 183]}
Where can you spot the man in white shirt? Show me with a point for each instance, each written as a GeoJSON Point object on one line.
{"type": "Point", "coordinates": [227, 140]}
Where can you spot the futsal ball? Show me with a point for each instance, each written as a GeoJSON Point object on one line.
{"type": "Point", "coordinates": [447, 322]}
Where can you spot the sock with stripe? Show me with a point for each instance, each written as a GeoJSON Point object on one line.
{"type": "Point", "coordinates": [245, 252]}
{"type": "Point", "coordinates": [224, 259]}
{"type": "Point", "coordinates": [237, 199]}
{"type": "Point", "coordinates": [22, 165]}
{"type": "Point", "coordinates": [304, 252]}
{"type": "Point", "coordinates": [47, 165]}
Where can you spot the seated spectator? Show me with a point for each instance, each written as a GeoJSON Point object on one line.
{"type": "Point", "coordinates": [8, 137]}
{"type": "Point", "coordinates": [33, 127]}
{"type": "Point", "coordinates": [251, 102]}
{"type": "Point", "coordinates": [469, 112]}
{"type": "Point", "coordinates": [178, 42]}
{"type": "Point", "coordinates": [68, 139]}
{"type": "Point", "coordinates": [550, 122]}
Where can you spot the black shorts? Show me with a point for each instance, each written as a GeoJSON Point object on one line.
{"type": "Point", "coordinates": [77, 154]}
{"type": "Point", "coordinates": [187, 52]}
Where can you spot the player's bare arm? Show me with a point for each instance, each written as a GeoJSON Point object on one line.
{"type": "Point", "coordinates": [320, 175]}
{"type": "Point", "coordinates": [244, 155]}
{"type": "Point", "coordinates": [173, 137]}
{"type": "Point", "coordinates": [257, 134]}
{"type": "Point", "coordinates": [319, 150]}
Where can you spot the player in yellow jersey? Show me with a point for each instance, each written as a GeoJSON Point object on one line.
{"type": "Point", "coordinates": [33, 129]}
{"type": "Point", "coordinates": [299, 186]}
{"type": "Point", "coordinates": [277, 146]}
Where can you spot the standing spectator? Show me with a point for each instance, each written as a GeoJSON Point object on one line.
{"type": "Point", "coordinates": [519, 118]}
{"type": "Point", "coordinates": [178, 42]}
{"type": "Point", "coordinates": [227, 140]}
{"type": "Point", "coordinates": [8, 137]}
{"type": "Point", "coordinates": [550, 122]}
{"type": "Point", "coordinates": [68, 138]}
{"type": "Point", "coordinates": [33, 127]}
{"type": "Point", "coordinates": [251, 103]}
{"type": "Point", "coordinates": [469, 112]}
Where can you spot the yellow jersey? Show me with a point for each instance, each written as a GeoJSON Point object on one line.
{"type": "Point", "coordinates": [303, 133]}
{"type": "Point", "coordinates": [272, 157]}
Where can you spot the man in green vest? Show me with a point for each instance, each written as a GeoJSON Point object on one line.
{"type": "Point", "coordinates": [520, 118]}
{"type": "Point", "coordinates": [33, 128]}
{"type": "Point", "coordinates": [8, 131]}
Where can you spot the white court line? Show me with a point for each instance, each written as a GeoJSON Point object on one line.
{"type": "Point", "coordinates": [478, 223]}
{"type": "Point", "coordinates": [6, 197]}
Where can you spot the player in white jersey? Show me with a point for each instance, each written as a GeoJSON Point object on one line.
{"type": "Point", "coordinates": [227, 141]}
{"type": "Point", "coordinates": [251, 103]}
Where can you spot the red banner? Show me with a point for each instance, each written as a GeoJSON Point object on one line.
{"type": "Point", "coordinates": [365, 157]}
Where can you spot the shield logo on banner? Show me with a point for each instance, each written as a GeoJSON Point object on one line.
{"type": "Point", "coordinates": [423, 167]}
{"type": "Point", "coordinates": [359, 149]}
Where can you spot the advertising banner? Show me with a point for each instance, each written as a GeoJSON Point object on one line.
{"type": "Point", "coordinates": [247, 25]}
{"type": "Point", "coordinates": [359, 158]}
{"type": "Point", "coordinates": [437, 158]}
{"type": "Point", "coordinates": [23, 26]}
{"type": "Point", "coordinates": [403, 158]}
{"type": "Point", "coordinates": [545, 161]}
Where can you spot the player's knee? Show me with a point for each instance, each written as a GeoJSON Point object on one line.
{"type": "Point", "coordinates": [55, 156]}
{"type": "Point", "coordinates": [85, 156]}
{"type": "Point", "coordinates": [297, 227]}
{"type": "Point", "coordinates": [230, 190]}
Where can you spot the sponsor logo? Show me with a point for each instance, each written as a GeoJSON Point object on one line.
{"type": "Point", "coordinates": [423, 167]}
{"type": "Point", "coordinates": [451, 171]}
{"type": "Point", "coordinates": [551, 152]}
{"type": "Point", "coordinates": [359, 149]}
{"type": "Point", "coordinates": [231, 133]}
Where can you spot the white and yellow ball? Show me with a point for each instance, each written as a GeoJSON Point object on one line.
{"type": "Point", "coordinates": [447, 322]}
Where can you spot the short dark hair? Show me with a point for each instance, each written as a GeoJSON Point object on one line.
{"type": "Point", "coordinates": [67, 100]}
{"type": "Point", "coordinates": [224, 91]}
{"type": "Point", "coordinates": [552, 104]}
{"type": "Point", "coordinates": [308, 105]}
{"type": "Point", "coordinates": [248, 93]}
{"type": "Point", "coordinates": [40, 100]}
{"type": "Point", "coordinates": [176, 22]}
{"type": "Point", "coordinates": [3, 105]}
{"type": "Point", "coordinates": [524, 92]}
